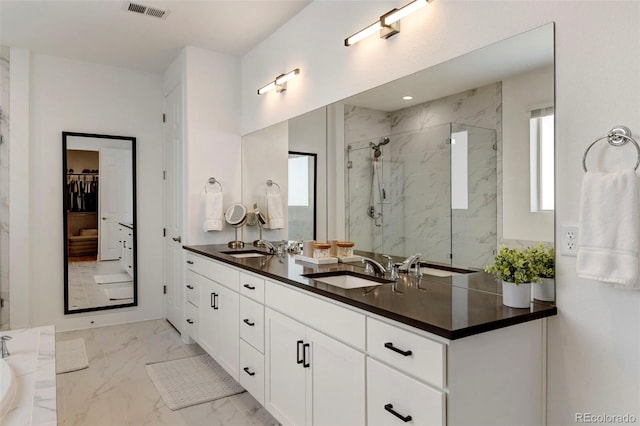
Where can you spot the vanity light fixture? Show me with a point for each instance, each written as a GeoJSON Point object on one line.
{"type": "Point", "coordinates": [388, 24]}
{"type": "Point", "coordinates": [280, 83]}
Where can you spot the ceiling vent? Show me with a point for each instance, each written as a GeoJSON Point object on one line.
{"type": "Point", "coordinates": [142, 9]}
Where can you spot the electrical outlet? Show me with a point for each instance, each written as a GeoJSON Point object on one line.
{"type": "Point", "coordinates": [569, 240]}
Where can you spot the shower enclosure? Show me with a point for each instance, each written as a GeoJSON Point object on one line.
{"type": "Point", "coordinates": [431, 191]}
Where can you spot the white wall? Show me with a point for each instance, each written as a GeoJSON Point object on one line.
{"type": "Point", "coordinates": [594, 342]}
{"type": "Point", "coordinates": [78, 96]}
{"type": "Point", "coordinates": [265, 156]}
{"type": "Point", "coordinates": [308, 133]}
{"type": "Point", "coordinates": [212, 146]}
{"type": "Point", "coordinates": [520, 94]}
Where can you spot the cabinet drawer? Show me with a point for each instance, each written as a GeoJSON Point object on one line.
{"type": "Point", "coordinates": [392, 345]}
{"type": "Point", "coordinates": [331, 319]}
{"type": "Point", "coordinates": [213, 270]}
{"type": "Point", "coordinates": [252, 323]}
{"type": "Point", "coordinates": [192, 288]}
{"type": "Point", "coordinates": [252, 286]}
{"type": "Point", "coordinates": [191, 318]}
{"type": "Point", "coordinates": [252, 371]}
{"type": "Point", "coordinates": [389, 391]}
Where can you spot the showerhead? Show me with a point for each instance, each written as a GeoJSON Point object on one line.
{"type": "Point", "coordinates": [381, 142]}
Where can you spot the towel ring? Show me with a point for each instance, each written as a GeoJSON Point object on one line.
{"type": "Point", "coordinates": [270, 183]}
{"type": "Point", "coordinates": [212, 181]}
{"type": "Point", "coordinates": [618, 136]}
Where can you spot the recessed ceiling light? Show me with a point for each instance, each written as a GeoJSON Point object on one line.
{"type": "Point", "coordinates": [407, 98]}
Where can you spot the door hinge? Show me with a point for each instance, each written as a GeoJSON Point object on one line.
{"type": "Point", "coordinates": [164, 175]}
{"type": "Point", "coordinates": [1, 303]}
{"type": "Point", "coordinates": [164, 289]}
{"type": "Point", "coordinates": [450, 255]}
{"type": "Point", "coordinates": [164, 117]}
{"type": "Point", "coordinates": [164, 232]}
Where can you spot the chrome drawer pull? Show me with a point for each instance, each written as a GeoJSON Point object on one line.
{"type": "Point", "coordinates": [389, 345]}
{"type": "Point", "coordinates": [389, 408]}
{"type": "Point", "coordinates": [189, 286]}
{"type": "Point", "coordinates": [250, 287]}
{"type": "Point", "coordinates": [249, 323]}
{"type": "Point", "coordinates": [190, 262]}
{"type": "Point", "coordinates": [249, 372]}
{"type": "Point", "coordinates": [190, 321]}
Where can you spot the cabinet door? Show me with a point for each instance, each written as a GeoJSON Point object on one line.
{"type": "Point", "coordinates": [209, 329]}
{"type": "Point", "coordinates": [228, 351]}
{"type": "Point", "coordinates": [337, 382]}
{"type": "Point", "coordinates": [285, 395]}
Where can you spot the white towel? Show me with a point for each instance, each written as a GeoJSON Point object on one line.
{"type": "Point", "coordinates": [608, 237]}
{"type": "Point", "coordinates": [213, 211]}
{"type": "Point", "coordinates": [274, 210]}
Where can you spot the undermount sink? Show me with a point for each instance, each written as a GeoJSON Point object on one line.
{"type": "Point", "coordinates": [346, 279]}
{"type": "Point", "coordinates": [437, 272]}
{"type": "Point", "coordinates": [245, 253]}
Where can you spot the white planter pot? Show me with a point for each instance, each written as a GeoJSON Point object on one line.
{"type": "Point", "coordinates": [545, 290]}
{"type": "Point", "coordinates": [516, 296]}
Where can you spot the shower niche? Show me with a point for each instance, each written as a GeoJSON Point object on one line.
{"type": "Point", "coordinates": [431, 190]}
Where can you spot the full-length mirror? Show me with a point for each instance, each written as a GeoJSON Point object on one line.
{"type": "Point", "coordinates": [98, 197]}
{"type": "Point", "coordinates": [451, 162]}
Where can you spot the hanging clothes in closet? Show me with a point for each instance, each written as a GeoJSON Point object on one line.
{"type": "Point", "coordinates": [82, 192]}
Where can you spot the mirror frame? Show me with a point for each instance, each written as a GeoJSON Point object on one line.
{"type": "Point", "coordinates": [65, 227]}
{"type": "Point", "coordinates": [315, 187]}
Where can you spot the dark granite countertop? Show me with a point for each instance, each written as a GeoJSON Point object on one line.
{"type": "Point", "coordinates": [452, 307]}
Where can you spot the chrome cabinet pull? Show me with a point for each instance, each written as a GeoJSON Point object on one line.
{"type": "Point", "coordinates": [177, 239]}
{"type": "Point", "coordinates": [249, 372]}
{"type": "Point", "coordinates": [249, 323]}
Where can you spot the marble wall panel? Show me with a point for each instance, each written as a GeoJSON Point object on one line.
{"type": "Point", "coordinates": [417, 177]}
{"type": "Point", "coordinates": [4, 186]}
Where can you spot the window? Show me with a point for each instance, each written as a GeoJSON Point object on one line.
{"type": "Point", "coordinates": [541, 126]}
{"type": "Point", "coordinates": [459, 170]}
{"type": "Point", "coordinates": [298, 181]}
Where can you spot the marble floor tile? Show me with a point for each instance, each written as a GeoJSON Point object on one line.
{"type": "Point", "coordinates": [84, 292]}
{"type": "Point", "coordinates": [116, 390]}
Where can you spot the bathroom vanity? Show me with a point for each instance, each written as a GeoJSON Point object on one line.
{"type": "Point", "coordinates": [439, 350]}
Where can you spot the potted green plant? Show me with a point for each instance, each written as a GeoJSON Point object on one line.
{"type": "Point", "coordinates": [544, 261]}
{"type": "Point", "coordinates": [517, 271]}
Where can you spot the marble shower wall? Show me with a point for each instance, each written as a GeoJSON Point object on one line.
{"type": "Point", "coordinates": [4, 186]}
{"type": "Point", "coordinates": [416, 177]}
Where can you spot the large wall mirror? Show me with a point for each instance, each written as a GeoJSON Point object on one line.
{"type": "Point", "coordinates": [452, 161]}
{"type": "Point", "coordinates": [98, 176]}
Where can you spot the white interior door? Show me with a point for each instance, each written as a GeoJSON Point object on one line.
{"type": "Point", "coordinates": [173, 253]}
{"type": "Point", "coordinates": [116, 198]}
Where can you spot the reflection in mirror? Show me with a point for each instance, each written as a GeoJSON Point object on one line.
{"type": "Point", "coordinates": [455, 167]}
{"type": "Point", "coordinates": [99, 222]}
{"type": "Point", "coordinates": [302, 196]}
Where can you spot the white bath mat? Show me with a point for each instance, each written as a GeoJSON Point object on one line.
{"type": "Point", "coordinates": [112, 278]}
{"type": "Point", "coordinates": [191, 381]}
{"type": "Point", "coordinates": [120, 293]}
{"type": "Point", "coordinates": [71, 355]}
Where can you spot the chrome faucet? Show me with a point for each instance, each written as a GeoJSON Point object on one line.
{"type": "Point", "coordinates": [3, 343]}
{"type": "Point", "coordinates": [270, 247]}
{"type": "Point", "coordinates": [409, 262]}
{"type": "Point", "coordinates": [373, 267]}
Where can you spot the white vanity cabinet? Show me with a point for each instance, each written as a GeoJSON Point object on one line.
{"type": "Point", "coordinates": [216, 326]}
{"type": "Point", "coordinates": [125, 238]}
{"type": "Point", "coordinates": [311, 377]}
{"type": "Point", "coordinates": [310, 360]}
